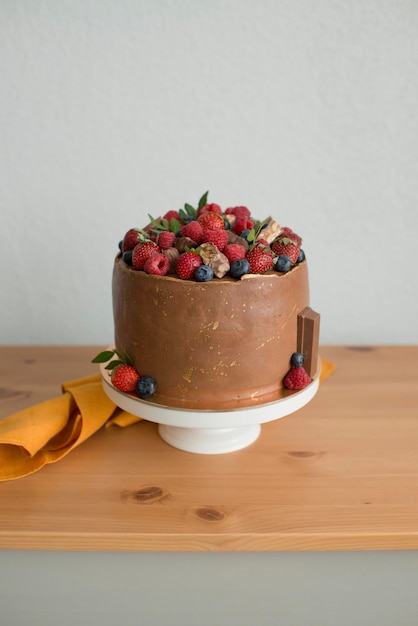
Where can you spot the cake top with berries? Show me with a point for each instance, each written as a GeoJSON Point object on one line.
{"type": "Point", "coordinates": [206, 242]}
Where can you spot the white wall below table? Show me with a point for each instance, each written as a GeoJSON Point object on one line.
{"type": "Point", "coordinates": [303, 110]}
{"type": "Point", "coordinates": [227, 589]}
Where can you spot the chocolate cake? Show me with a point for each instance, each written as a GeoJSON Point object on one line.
{"type": "Point", "coordinates": [211, 310]}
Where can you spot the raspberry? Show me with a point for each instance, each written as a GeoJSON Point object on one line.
{"type": "Point", "coordinates": [218, 237]}
{"type": "Point", "coordinates": [296, 378]}
{"type": "Point", "coordinates": [141, 252]}
{"type": "Point", "coordinates": [211, 221]}
{"type": "Point", "coordinates": [260, 259]}
{"type": "Point", "coordinates": [170, 215]}
{"type": "Point", "coordinates": [186, 265]}
{"type": "Point", "coordinates": [243, 223]}
{"type": "Point", "coordinates": [125, 378]}
{"type": "Point", "coordinates": [233, 252]}
{"type": "Point", "coordinates": [157, 264]}
{"type": "Point", "coordinates": [193, 230]}
{"type": "Point", "coordinates": [165, 239]}
{"type": "Point", "coordinates": [238, 211]}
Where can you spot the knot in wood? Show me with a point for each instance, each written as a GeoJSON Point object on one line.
{"type": "Point", "coordinates": [7, 393]}
{"type": "Point", "coordinates": [210, 514]}
{"type": "Point", "coordinates": [306, 454]}
{"type": "Point", "coordinates": [302, 454]}
{"type": "Point", "coordinates": [146, 495]}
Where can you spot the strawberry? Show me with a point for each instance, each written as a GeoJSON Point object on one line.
{"type": "Point", "coordinates": [186, 264]}
{"type": "Point", "coordinates": [210, 208]}
{"type": "Point", "coordinates": [296, 378]}
{"type": "Point", "coordinates": [158, 264]}
{"type": "Point", "coordinates": [260, 259]}
{"type": "Point", "coordinates": [165, 239]}
{"type": "Point", "coordinates": [218, 237]}
{"type": "Point", "coordinates": [211, 221]}
{"type": "Point", "coordinates": [287, 246]}
{"type": "Point", "coordinates": [233, 252]}
{"type": "Point", "coordinates": [141, 252]}
{"type": "Point", "coordinates": [193, 230]}
{"type": "Point", "coordinates": [288, 232]}
{"type": "Point", "coordinates": [125, 378]}
{"type": "Point", "coordinates": [131, 238]}
{"type": "Point", "coordinates": [243, 223]}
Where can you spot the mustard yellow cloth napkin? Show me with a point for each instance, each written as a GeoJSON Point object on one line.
{"type": "Point", "coordinates": [46, 432]}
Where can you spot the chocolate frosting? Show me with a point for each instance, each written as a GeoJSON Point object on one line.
{"type": "Point", "coordinates": [218, 345]}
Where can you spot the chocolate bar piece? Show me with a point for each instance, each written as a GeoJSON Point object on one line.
{"type": "Point", "coordinates": [308, 339]}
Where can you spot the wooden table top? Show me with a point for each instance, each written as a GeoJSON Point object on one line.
{"type": "Point", "coordinates": [340, 474]}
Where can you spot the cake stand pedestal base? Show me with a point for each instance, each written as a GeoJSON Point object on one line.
{"type": "Point", "coordinates": [209, 440]}
{"type": "Point", "coordinates": [209, 432]}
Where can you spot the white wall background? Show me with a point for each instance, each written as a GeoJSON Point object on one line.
{"type": "Point", "coordinates": [306, 110]}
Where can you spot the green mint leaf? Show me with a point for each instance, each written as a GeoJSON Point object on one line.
{"type": "Point", "coordinates": [155, 223]}
{"type": "Point", "coordinates": [190, 210]}
{"type": "Point", "coordinates": [203, 200]}
{"type": "Point", "coordinates": [104, 356]}
{"type": "Point", "coordinates": [111, 366]}
{"type": "Point", "coordinates": [124, 358]}
{"type": "Point", "coordinates": [286, 240]}
{"type": "Point", "coordinates": [174, 225]}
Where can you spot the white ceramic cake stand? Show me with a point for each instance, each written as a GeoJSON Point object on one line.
{"type": "Point", "coordinates": [209, 432]}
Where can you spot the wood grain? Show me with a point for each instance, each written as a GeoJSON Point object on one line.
{"type": "Point", "coordinates": [340, 474]}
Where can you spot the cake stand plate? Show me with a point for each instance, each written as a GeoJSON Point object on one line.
{"type": "Point", "coordinates": [209, 432]}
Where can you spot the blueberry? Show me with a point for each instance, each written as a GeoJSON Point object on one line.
{"type": "Point", "coordinates": [283, 263]}
{"type": "Point", "coordinates": [127, 257]}
{"type": "Point", "coordinates": [244, 233]}
{"type": "Point", "coordinates": [301, 256]}
{"type": "Point", "coordinates": [297, 359]}
{"type": "Point", "coordinates": [186, 219]}
{"type": "Point", "coordinates": [120, 245]}
{"type": "Point", "coordinates": [227, 224]}
{"type": "Point", "coordinates": [145, 387]}
{"type": "Point", "coordinates": [203, 273]}
{"type": "Point", "coordinates": [239, 268]}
